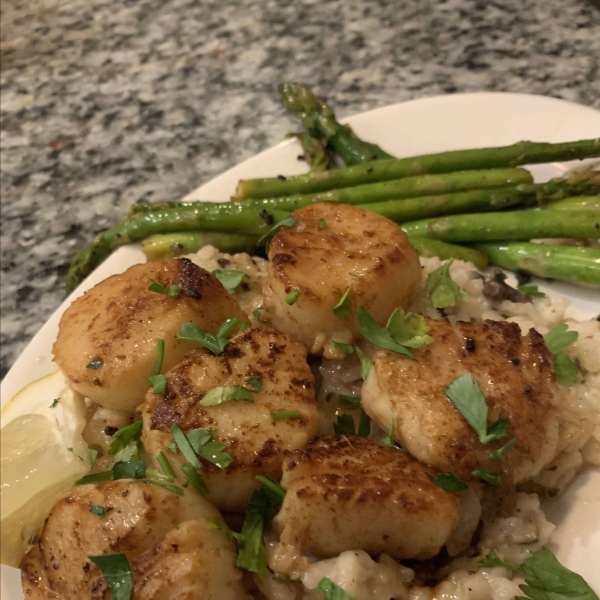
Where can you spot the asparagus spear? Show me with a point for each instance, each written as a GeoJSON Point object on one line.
{"type": "Point", "coordinates": [169, 245]}
{"type": "Point", "coordinates": [318, 117]}
{"type": "Point", "coordinates": [228, 218]}
{"type": "Point", "coordinates": [314, 151]}
{"type": "Point", "coordinates": [576, 203]}
{"type": "Point", "coordinates": [569, 263]}
{"type": "Point", "coordinates": [522, 153]}
{"type": "Point", "coordinates": [514, 225]}
{"type": "Point", "coordinates": [443, 250]}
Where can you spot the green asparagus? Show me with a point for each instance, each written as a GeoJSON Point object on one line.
{"type": "Point", "coordinates": [568, 263]}
{"type": "Point", "coordinates": [314, 151]}
{"type": "Point", "coordinates": [522, 153]}
{"type": "Point", "coordinates": [428, 248]}
{"type": "Point", "coordinates": [226, 217]}
{"type": "Point", "coordinates": [318, 118]}
{"type": "Point", "coordinates": [514, 225]}
{"type": "Point", "coordinates": [576, 203]}
{"type": "Point", "coordinates": [168, 245]}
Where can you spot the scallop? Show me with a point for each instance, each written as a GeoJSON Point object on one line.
{"type": "Point", "coordinates": [274, 365]}
{"type": "Point", "coordinates": [350, 493]}
{"type": "Point", "coordinates": [107, 339]}
{"type": "Point", "coordinates": [331, 249]}
{"type": "Point", "coordinates": [173, 551]}
{"type": "Point", "coordinates": [515, 375]}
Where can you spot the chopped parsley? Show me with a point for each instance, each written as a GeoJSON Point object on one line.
{"type": "Point", "coordinates": [100, 511]}
{"type": "Point", "coordinates": [54, 402]}
{"type": "Point", "coordinates": [172, 290]}
{"type": "Point", "coordinates": [560, 338]}
{"type": "Point", "coordinates": [92, 456]}
{"type": "Point", "coordinates": [322, 223]}
{"type": "Point", "coordinates": [156, 380]}
{"type": "Point", "coordinates": [165, 465]}
{"type": "Point", "coordinates": [449, 482]}
{"type": "Point", "coordinates": [94, 477]}
{"type": "Point", "coordinates": [531, 290]}
{"type": "Point", "coordinates": [488, 476]}
{"type": "Point", "coordinates": [443, 291]}
{"type": "Point", "coordinates": [229, 278]}
{"type": "Point", "coordinates": [117, 573]}
{"type": "Point", "coordinates": [131, 469]}
{"type": "Point", "coordinates": [126, 444]}
{"type": "Point", "coordinates": [193, 478]}
{"type": "Point", "coordinates": [287, 222]}
{"type": "Point", "coordinates": [365, 363]}
{"type": "Point", "coordinates": [94, 364]}
{"type": "Point", "coordinates": [285, 414]}
{"type": "Point", "coordinates": [343, 309]}
{"type": "Point", "coordinates": [468, 399]}
{"type": "Point", "coordinates": [502, 452]}
{"type": "Point", "coordinates": [345, 425]}
{"type": "Point", "coordinates": [184, 445]}
{"type": "Point", "coordinates": [388, 441]}
{"type": "Point", "coordinates": [346, 349]}
{"type": "Point", "coordinates": [216, 523]}
{"type": "Point", "coordinates": [257, 312]}
{"type": "Point", "coordinates": [255, 384]}
{"type": "Point", "coordinates": [565, 368]}
{"type": "Point", "coordinates": [292, 296]}
{"type": "Point", "coordinates": [227, 393]}
{"type": "Point", "coordinates": [331, 591]}
{"type": "Point", "coordinates": [215, 343]}
{"type": "Point", "coordinates": [349, 401]}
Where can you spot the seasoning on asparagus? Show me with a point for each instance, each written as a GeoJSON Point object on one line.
{"type": "Point", "coordinates": [567, 263]}
{"type": "Point", "coordinates": [514, 225]}
{"type": "Point", "coordinates": [444, 251]}
{"type": "Point", "coordinates": [224, 217]}
{"type": "Point", "coordinates": [318, 118]}
{"type": "Point", "coordinates": [576, 203]}
{"type": "Point", "coordinates": [522, 153]}
{"type": "Point", "coordinates": [171, 245]}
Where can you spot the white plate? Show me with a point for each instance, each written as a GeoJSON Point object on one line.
{"type": "Point", "coordinates": [417, 127]}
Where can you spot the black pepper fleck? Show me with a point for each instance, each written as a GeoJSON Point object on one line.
{"type": "Point", "coordinates": [268, 218]}
{"type": "Point", "coordinates": [282, 177]}
{"type": "Point", "coordinates": [470, 344]}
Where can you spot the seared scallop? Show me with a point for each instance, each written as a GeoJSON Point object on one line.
{"type": "Point", "coordinates": [173, 551]}
{"type": "Point", "coordinates": [515, 375]}
{"type": "Point", "coordinates": [330, 249]}
{"type": "Point", "coordinates": [267, 361]}
{"type": "Point", "coordinates": [107, 339]}
{"type": "Point", "coordinates": [350, 493]}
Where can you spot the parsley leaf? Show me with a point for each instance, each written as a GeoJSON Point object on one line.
{"type": "Point", "coordinates": [560, 338]}
{"type": "Point", "coordinates": [273, 485]}
{"type": "Point", "coordinates": [388, 441]}
{"type": "Point", "coordinates": [364, 425]}
{"type": "Point", "coordinates": [502, 452]}
{"type": "Point", "coordinates": [126, 444]}
{"type": "Point", "coordinates": [409, 329]}
{"type": "Point", "coordinates": [349, 401]}
{"type": "Point", "coordinates": [130, 469]}
{"type": "Point", "coordinates": [215, 343]}
{"type": "Point", "coordinates": [54, 402]}
{"type": "Point", "coordinates": [92, 456]}
{"type": "Point", "coordinates": [344, 425]}
{"type": "Point", "coordinates": [492, 560]}
{"type": "Point", "coordinates": [467, 397]}
{"type": "Point", "coordinates": [365, 363]}
{"type": "Point", "coordinates": [346, 349]}
{"type": "Point", "coordinates": [156, 380]}
{"type": "Point", "coordinates": [531, 290]}
{"type": "Point", "coordinates": [331, 591]}
{"type": "Point", "coordinates": [442, 289]}
{"type": "Point", "coordinates": [565, 369]}
{"type": "Point", "coordinates": [117, 573]}
{"type": "Point", "coordinates": [264, 504]}
{"type": "Point", "coordinates": [287, 222]}
{"type": "Point", "coordinates": [100, 511]}
{"type": "Point", "coordinates": [193, 478]}
{"type": "Point", "coordinates": [255, 384]}
{"type": "Point", "coordinates": [547, 579]}
{"type": "Point", "coordinates": [227, 393]}
{"type": "Point", "coordinates": [198, 437]}
{"type": "Point", "coordinates": [448, 482]}
{"type": "Point", "coordinates": [322, 223]}
{"type": "Point", "coordinates": [213, 452]}
{"type": "Point", "coordinates": [172, 290]}
{"type": "Point", "coordinates": [285, 414]}
{"type": "Point", "coordinates": [94, 364]}
{"type": "Point", "coordinates": [488, 476]}
{"type": "Point", "coordinates": [230, 278]}
{"type": "Point", "coordinates": [165, 465]}
{"type": "Point", "coordinates": [343, 309]}
{"type": "Point", "coordinates": [257, 312]}
{"type": "Point", "coordinates": [379, 336]}
{"type": "Point", "coordinates": [216, 523]}
{"type": "Point", "coordinates": [292, 296]}
{"type": "Point", "coordinates": [184, 445]}
{"type": "Point", "coordinates": [93, 477]}
{"type": "Point", "coordinates": [158, 383]}
{"type": "Point", "coordinates": [167, 486]}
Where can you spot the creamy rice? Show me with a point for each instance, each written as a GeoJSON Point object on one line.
{"type": "Point", "coordinates": [513, 524]}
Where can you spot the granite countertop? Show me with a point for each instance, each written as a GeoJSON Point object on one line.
{"type": "Point", "coordinates": [107, 102]}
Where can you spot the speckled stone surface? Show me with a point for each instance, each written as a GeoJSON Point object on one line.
{"type": "Point", "coordinates": [106, 102]}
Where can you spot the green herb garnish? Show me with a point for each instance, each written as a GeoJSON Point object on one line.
{"type": "Point", "coordinates": [228, 393]}
{"type": "Point", "coordinates": [468, 399]}
{"type": "Point", "coordinates": [344, 425]}
{"type": "Point", "coordinates": [331, 591]}
{"type": "Point", "coordinates": [565, 369]}
{"type": "Point", "coordinates": [217, 524]}
{"type": "Point", "coordinates": [215, 343]}
{"type": "Point", "coordinates": [213, 452]}
{"type": "Point", "coordinates": [255, 384]}
{"type": "Point", "coordinates": [257, 312]}
{"type": "Point", "coordinates": [560, 338]}
{"type": "Point", "coordinates": [94, 364]}
{"type": "Point", "coordinates": [346, 349]}
{"type": "Point", "coordinates": [126, 444]}
{"type": "Point", "coordinates": [343, 309]}
{"type": "Point", "coordinates": [94, 477]}
{"type": "Point", "coordinates": [443, 291]}
{"type": "Point", "coordinates": [349, 401]}
{"type": "Point", "coordinates": [100, 511]}
{"type": "Point", "coordinates": [492, 560]}
{"type": "Point", "coordinates": [131, 469]}
{"type": "Point", "coordinates": [488, 476]}
{"type": "Point", "coordinates": [322, 223]}
{"type": "Point", "coordinates": [502, 452]}
{"type": "Point", "coordinates": [365, 363]}
{"type": "Point", "coordinates": [55, 402]}
{"type": "Point", "coordinates": [117, 573]}
{"type": "Point", "coordinates": [193, 478]}
{"type": "Point", "coordinates": [531, 290]}
{"type": "Point", "coordinates": [449, 482]}
{"type": "Point", "coordinates": [229, 278]}
{"type": "Point", "coordinates": [184, 445]}
{"type": "Point", "coordinates": [172, 290]}
{"type": "Point", "coordinates": [285, 414]}
{"type": "Point", "coordinates": [92, 456]}
{"type": "Point", "coordinates": [292, 296]}
{"type": "Point", "coordinates": [167, 486]}
{"type": "Point", "coordinates": [156, 380]}
{"type": "Point", "coordinates": [287, 222]}
{"type": "Point", "coordinates": [388, 441]}
{"type": "Point", "coordinates": [165, 465]}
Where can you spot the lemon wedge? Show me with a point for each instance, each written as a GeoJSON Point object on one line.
{"type": "Point", "coordinates": [42, 454]}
